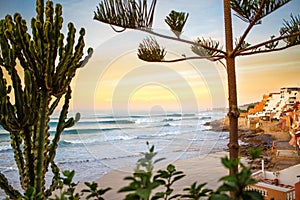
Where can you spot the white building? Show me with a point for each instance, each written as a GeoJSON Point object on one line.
{"type": "Point", "coordinates": [271, 104]}
{"type": "Point", "coordinates": [288, 97]}
{"type": "Point", "coordinates": [292, 95]}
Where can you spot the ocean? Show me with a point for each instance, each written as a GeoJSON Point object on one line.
{"type": "Point", "coordinates": [98, 143]}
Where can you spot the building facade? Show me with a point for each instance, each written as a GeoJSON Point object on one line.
{"type": "Point", "coordinates": [273, 104]}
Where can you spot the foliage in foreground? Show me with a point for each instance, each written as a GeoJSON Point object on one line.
{"type": "Point", "coordinates": [145, 184]}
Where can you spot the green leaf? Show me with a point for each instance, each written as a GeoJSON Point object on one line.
{"type": "Point", "coordinates": [289, 28]}
{"type": "Point", "coordinates": [127, 189]}
{"type": "Point", "coordinates": [171, 168]}
{"type": "Point", "coordinates": [255, 153]}
{"type": "Point", "coordinates": [230, 164]}
{"type": "Point", "coordinates": [247, 10]}
{"type": "Point", "coordinates": [176, 21]}
{"type": "Point", "coordinates": [144, 193]}
{"type": "Point", "coordinates": [103, 191]}
{"type": "Point", "coordinates": [212, 50]}
{"type": "Point", "coordinates": [177, 178]}
{"type": "Point", "coordinates": [68, 177]}
{"type": "Point", "coordinates": [149, 50]}
{"type": "Point", "coordinates": [126, 14]}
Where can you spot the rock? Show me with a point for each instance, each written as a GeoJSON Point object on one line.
{"type": "Point", "coordinates": [256, 138]}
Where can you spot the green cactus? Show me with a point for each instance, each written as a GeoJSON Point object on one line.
{"type": "Point", "coordinates": [48, 63]}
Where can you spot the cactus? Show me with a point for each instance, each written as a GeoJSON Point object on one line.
{"type": "Point", "coordinates": [48, 63]}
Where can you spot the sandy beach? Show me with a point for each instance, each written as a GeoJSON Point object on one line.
{"type": "Point", "coordinates": [208, 169]}
{"type": "Point", "coordinates": [204, 169]}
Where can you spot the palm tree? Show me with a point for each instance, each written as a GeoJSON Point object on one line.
{"type": "Point", "coordinates": [136, 15]}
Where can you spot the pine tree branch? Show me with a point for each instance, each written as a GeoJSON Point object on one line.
{"type": "Point", "coordinates": [244, 51]}
{"type": "Point", "coordinates": [246, 10]}
{"type": "Point", "coordinates": [250, 26]}
{"type": "Point", "coordinates": [181, 40]}
{"type": "Point", "coordinates": [132, 15]}
{"type": "Point", "coordinates": [214, 58]}
{"type": "Point", "coordinates": [265, 51]}
{"type": "Point", "coordinates": [168, 37]}
{"type": "Point", "coordinates": [126, 14]}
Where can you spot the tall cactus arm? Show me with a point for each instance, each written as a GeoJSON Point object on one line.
{"type": "Point", "coordinates": [60, 126]}
{"type": "Point", "coordinates": [25, 49]}
{"type": "Point", "coordinates": [65, 60]}
{"type": "Point", "coordinates": [45, 76]}
{"type": "Point", "coordinates": [69, 63]}
{"type": "Point", "coordinates": [55, 180]}
{"type": "Point", "coordinates": [58, 21]}
{"type": "Point", "coordinates": [67, 49]}
{"type": "Point", "coordinates": [75, 59]}
{"type": "Point", "coordinates": [61, 49]}
{"type": "Point", "coordinates": [29, 173]}
{"type": "Point", "coordinates": [40, 10]}
{"type": "Point", "coordinates": [53, 37]}
{"type": "Point", "coordinates": [86, 59]}
{"type": "Point", "coordinates": [30, 101]}
{"type": "Point", "coordinates": [78, 49]}
{"type": "Point", "coordinates": [49, 45]}
{"type": "Point", "coordinates": [9, 53]}
{"type": "Point", "coordinates": [38, 26]}
{"type": "Point", "coordinates": [37, 62]}
{"type": "Point", "coordinates": [7, 118]}
{"type": "Point", "coordinates": [16, 143]}
{"type": "Point", "coordinates": [9, 122]}
{"type": "Point", "coordinates": [30, 96]}
{"type": "Point", "coordinates": [8, 189]}
{"type": "Point", "coordinates": [54, 105]}
{"type": "Point", "coordinates": [38, 49]}
{"type": "Point", "coordinates": [21, 42]}
{"type": "Point", "coordinates": [18, 92]}
{"type": "Point", "coordinates": [42, 140]}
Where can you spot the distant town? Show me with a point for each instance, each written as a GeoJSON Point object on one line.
{"type": "Point", "coordinates": [278, 105]}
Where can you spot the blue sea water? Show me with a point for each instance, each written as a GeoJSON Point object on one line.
{"type": "Point", "coordinates": [98, 143]}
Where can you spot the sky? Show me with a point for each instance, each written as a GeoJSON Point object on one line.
{"type": "Point", "coordinates": [115, 80]}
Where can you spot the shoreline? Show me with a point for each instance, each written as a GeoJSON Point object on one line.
{"type": "Point", "coordinates": [203, 169]}
{"type": "Point", "coordinates": [263, 137]}
{"type": "Point", "coordinates": [208, 168]}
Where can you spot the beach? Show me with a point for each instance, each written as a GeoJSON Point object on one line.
{"type": "Point", "coordinates": [208, 168]}
{"type": "Point", "coordinates": [106, 148]}
{"type": "Point", "coordinates": [203, 169]}
{"type": "Point", "coordinates": [101, 143]}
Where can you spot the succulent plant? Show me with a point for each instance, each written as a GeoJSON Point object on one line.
{"type": "Point", "coordinates": [35, 75]}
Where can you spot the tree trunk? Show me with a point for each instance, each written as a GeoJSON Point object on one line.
{"type": "Point", "coordinates": [233, 113]}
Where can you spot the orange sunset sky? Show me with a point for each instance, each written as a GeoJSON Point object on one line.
{"type": "Point", "coordinates": [115, 80]}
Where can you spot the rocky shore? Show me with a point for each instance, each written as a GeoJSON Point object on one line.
{"type": "Point", "coordinates": [261, 137]}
